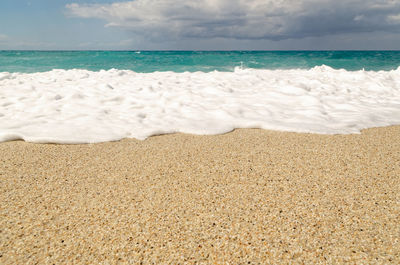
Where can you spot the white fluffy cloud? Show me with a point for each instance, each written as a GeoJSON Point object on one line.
{"type": "Point", "coordinates": [244, 19]}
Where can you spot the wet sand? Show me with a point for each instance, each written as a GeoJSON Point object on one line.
{"type": "Point", "coordinates": [247, 197]}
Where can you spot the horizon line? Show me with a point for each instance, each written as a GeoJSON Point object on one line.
{"type": "Point", "coordinates": [184, 50]}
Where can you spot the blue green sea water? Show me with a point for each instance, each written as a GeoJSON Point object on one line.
{"type": "Point", "coordinates": [192, 61]}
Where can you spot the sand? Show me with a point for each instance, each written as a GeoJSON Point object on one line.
{"type": "Point", "coordinates": [247, 197]}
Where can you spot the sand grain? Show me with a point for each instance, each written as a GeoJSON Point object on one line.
{"type": "Point", "coordinates": [250, 196]}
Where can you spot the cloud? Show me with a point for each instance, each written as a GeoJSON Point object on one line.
{"type": "Point", "coordinates": [3, 37]}
{"type": "Point", "coordinates": [244, 19]}
{"type": "Point", "coordinates": [395, 19]}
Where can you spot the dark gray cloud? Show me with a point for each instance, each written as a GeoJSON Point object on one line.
{"type": "Point", "coordinates": [245, 19]}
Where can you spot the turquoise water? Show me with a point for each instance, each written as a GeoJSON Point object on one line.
{"type": "Point", "coordinates": [206, 61]}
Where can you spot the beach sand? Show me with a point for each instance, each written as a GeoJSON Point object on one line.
{"type": "Point", "coordinates": [247, 197]}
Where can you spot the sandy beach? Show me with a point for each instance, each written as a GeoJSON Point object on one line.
{"type": "Point", "coordinates": [247, 197]}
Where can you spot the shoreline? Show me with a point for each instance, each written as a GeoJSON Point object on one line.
{"type": "Point", "coordinates": [250, 195]}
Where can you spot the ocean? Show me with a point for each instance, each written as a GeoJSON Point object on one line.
{"type": "Point", "coordinates": [76, 97]}
{"type": "Point", "coordinates": [192, 61]}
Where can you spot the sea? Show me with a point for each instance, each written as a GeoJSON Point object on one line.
{"type": "Point", "coordinates": [192, 61]}
{"type": "Point", "coordinates": [74, 97]}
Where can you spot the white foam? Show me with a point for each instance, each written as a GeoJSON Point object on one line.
{"type": "Point", "coordinates": [79, 106]}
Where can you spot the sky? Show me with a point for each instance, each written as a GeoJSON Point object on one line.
{"type": "Point", "coordinates": [200, 25]}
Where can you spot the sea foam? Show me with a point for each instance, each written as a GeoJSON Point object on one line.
{"type": "Point", "coordinates": [80, 106]}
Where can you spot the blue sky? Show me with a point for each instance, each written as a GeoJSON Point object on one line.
{"type": "Point", "coordinates": [200, 25]}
